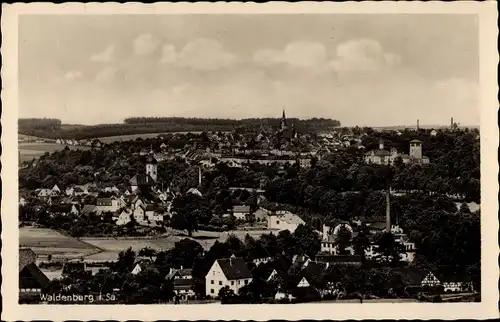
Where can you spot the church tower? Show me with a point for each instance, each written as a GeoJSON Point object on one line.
{"type": "Point", "coordinates": [152, 168]}
{"type": "Point", "coordinates": [283, 125]}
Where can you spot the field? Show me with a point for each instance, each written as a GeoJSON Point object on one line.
{"type": "Point", "coordinates": [45, 241]}
{"type": "Point", "coordinates": [29, 151]}
{"type": "Point", "coordinates": [113, 246]}
{"type": "Point", "coordinates": [132, 137]}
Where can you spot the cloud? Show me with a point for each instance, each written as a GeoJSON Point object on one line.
{"type": "Point", "coordinates": [145, 44]}
{"type": "Point", "coordinates": [305, 54]}
{"type": "Point", "coordinates": [205, 54]}
{"type": "Point", "coordinates": [168, 54]}
{"type": "Point", "coordinates": [106, 74]}
{"type": "Point", "coordinates": [268, 56]}
{"type": "Point", "coordinates": [105, 56]}
{"type": "Point", "coordinates": [363, 55]}
{"type": "Point", "coordinates": [295, 54]}
{"type": "Point", "coordinates": [73, 75]}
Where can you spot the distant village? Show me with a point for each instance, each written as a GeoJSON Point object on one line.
{"type": "Point", "coordinates": [144, 201]}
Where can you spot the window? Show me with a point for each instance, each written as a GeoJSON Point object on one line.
{"type": "Point", "coordinates": [220, 282]}
{"type": "Point", "coordinates": [246, 282]}
{"type": "Point", "coordinates": [212, 291]}
{"type": "Point", "coordinates": [277, 222]}
{"type": "Point", "coordinates": [232, 282]}
{"type": "Point", "coordinates": [212, 281]}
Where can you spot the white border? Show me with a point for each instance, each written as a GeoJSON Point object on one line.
{"type": "Point", "coordinates": [487, 13]}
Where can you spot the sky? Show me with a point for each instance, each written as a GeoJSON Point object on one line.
{"type": "Point", "coordinates": [375, 69]}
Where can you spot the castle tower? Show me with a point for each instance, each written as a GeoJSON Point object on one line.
{"type": "Point", "coordinates": [152, 168]}
{"type": "Point", "coordinates": [388, 211]}
{"type": "Point", "coordinates": [416, 149]}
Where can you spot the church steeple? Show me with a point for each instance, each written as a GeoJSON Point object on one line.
{"type": "Point", "coordinates": [283, 124]}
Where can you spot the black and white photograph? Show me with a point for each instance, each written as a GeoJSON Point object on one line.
{"type": "Point", "coordinates": [186, 159]}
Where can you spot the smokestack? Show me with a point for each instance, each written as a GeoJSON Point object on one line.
{"type": "Point", "coordinates": [418, 124]}
{"type": "Point", "coordinates": [452, 122]}
{"type": "Point", "coordinates": [388, 211]}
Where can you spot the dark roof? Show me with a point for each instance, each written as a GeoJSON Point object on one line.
{"type": "Point", "coordinates": [338, 258]}
{"type": "Point", "coordinates": [151, 159]}
{"type": "Point", "coordinates": [141, 180]}
{"type": "Point", "coordinates": [412, 275]}
{"type": "Point", "coordinates": [241, 209]}
{"type": "Point", "coordinates": [183, 283]}
{"type": "Point", "coordinates": [30, 276]}
{"type": "Point", "coordinates": [180, 272]}
{"type": "Point", "coordinates": [234, 268]}
{"type": "Point", "coordinates": [377, 225]}
{"type": "Point", "coordinates": [26, 256]}
{"type": "Point", "coordinates": [104, 201]}
{"type": "Point", "coordinates": [60, 208]}
{"type": "Point", "coordinates": [379, 153]}
{"type": "Point", "coordinates": [69, 268]}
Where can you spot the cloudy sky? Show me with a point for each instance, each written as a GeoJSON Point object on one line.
{"type": "Point", "coordinates": [360, 69]}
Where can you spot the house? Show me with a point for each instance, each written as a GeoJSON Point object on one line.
{"type": "Point", "coordinates": [63, 209]}
{"type": "Point", "coordinates": [434, 133]}
{"type": "Point", "coordinates": [71, 268]}
{"type": "Point", "coordinates": [44, 193]}
{"type": "Point", "coordinates": [456, 283]}
{"type": "Point", "coordinates": [232, 272]}
{"type": "Point", "coordinates": [139, 215]}
{"type": "Point", "coordinates": [339, 259]}
{"type": "Point", "coordinates": [195, 191]}
{"type": "Point", "coordinates": [109, 204]}
{"type": "Point", "coordinates": [241, 212]}
{"type": "Point", "coordinates": [183, 282]}
{"type": "Point", "coordinates": [31, 279]}
{"type": "Point", "coordinates": [55, 191]}
{"type": "Point", "coordinates": [261, 214]}
{"type": "Point", "coordinates": [140, 266]}
{"type": "Point", "coordinates": [183, 273]}
{"type": "Point", "coordinates": [385, 157]}
{"type": "Point", "coordinates": [284, 221]}
{"type": "Point", "coordinates": [184, 288]}
{"type": "Point", "coordinates": [143, 181]}
{"type": "Point", "coordinates": [124, 218]}
{"type": "Point", "coordinates": [262, 260]}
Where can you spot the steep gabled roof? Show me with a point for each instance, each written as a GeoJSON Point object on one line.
{"type": "Point", "coordinates": [30, 276]}
{"type": "Point", "coordinates": [141, 180]}
{"type": "Point", "coordinates": [234, 268]}
{"type": "Point", "coordinates": [26, 256]}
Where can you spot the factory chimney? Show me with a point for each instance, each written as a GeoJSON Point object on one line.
{"type": "Point", "coordinates": [388, 212]}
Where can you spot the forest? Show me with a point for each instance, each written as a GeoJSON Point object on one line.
{"type": "Point", "coordinates": [54, 129]}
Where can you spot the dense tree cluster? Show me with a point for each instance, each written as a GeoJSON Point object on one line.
{"type": "Point", "coordinates": [48, 128]}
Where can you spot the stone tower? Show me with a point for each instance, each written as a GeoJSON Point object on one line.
{"type": "Point", "coordinates": [416, 149]}
{"type": "Point", "coordinates": [152, 168]}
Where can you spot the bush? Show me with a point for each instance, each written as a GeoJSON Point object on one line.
{"type": "Point", "coordinates": [437, 299]}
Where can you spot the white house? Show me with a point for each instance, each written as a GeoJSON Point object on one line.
{"type": "Point", "coordinates": [232, 272]}
{"type": "Point", "coordinates": [140, 266]}
{"type": "Point", "coordinates": [124, 218]}
{"type": "Point", "coordinates": [284, 221]}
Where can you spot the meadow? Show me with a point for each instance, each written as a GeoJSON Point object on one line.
{"type": "Point", "coordinates": [44, 242]}
{"type": "Point", "coordinates": [29, 151]}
